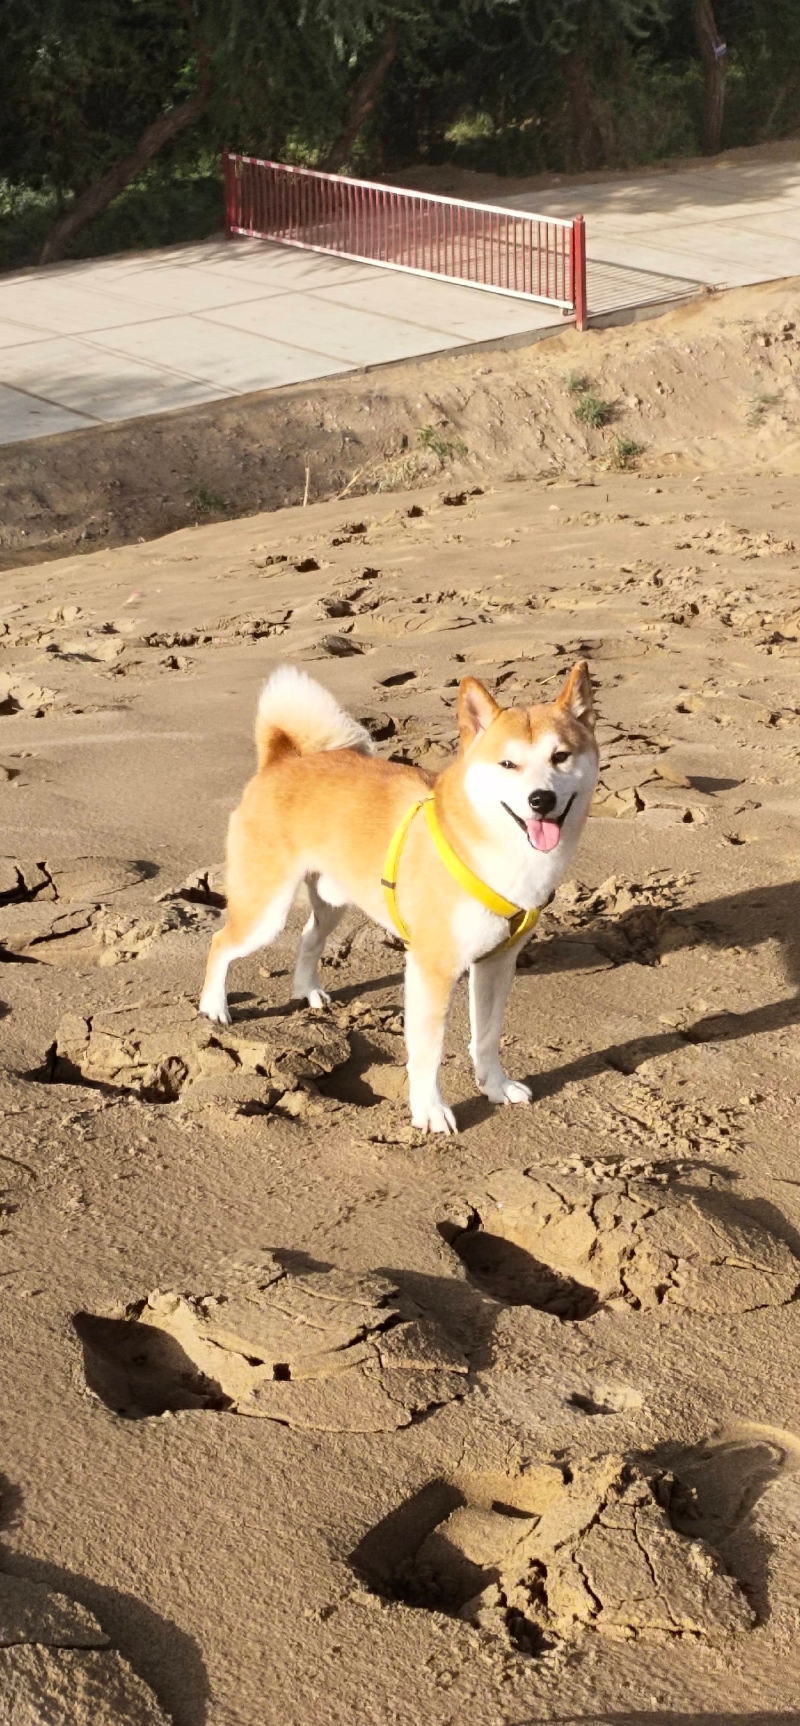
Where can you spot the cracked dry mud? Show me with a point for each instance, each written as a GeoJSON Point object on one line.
{"type": "Point", "coordinates": [56, 912]}
{"type": "Point", "coordinates": [558, 1550]}
{"type": "Point", "coordinates": [320, 1350]}
{"type": "Point", "coordinates": [56, 1664]}
{"type": "Point", "coordinates": [278, 1482]}
{"type": "Point", "coordinates": [566, 1242]}
{"type": "Point", "coordinates": [162, 1051]}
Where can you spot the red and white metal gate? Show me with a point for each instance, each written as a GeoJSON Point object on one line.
{"type": "Point", "coordinates": [478, 245]}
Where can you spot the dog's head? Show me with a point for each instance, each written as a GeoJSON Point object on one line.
{"type": "Point", "coordinates": [533, 767]}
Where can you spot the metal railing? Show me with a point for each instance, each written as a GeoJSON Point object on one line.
{"type": "Point", "coordinates": [504, 251]}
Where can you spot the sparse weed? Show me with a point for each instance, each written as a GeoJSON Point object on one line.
{"type": "Point", "coordinates": [207, 502]}
{"type": "Point", "coordinates": [391, 473]}
{"type": "Point", "coordinates": [446, 449]}
{"type": "Point", "coordinates": [757, 408]}
{"type": "Point", "coordinates": [624, 451]}
{"type": "Point", "coordinates": [396, 474]}
{"type": "Point", "coordinates": [593, 410]}
{"type": "Point", "coordinates": [577, 383]}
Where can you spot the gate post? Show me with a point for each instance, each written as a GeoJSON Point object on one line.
{"type": "Point", "coordinates": [579, 273]}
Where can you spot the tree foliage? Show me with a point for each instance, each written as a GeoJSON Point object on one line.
{"type": "Point", "coordinates": [80, 81]}
{"type": "Point", "coordinates": [98, 95]}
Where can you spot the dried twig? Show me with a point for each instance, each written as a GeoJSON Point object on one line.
{"type": "Point", "coordinates": [353, 480]}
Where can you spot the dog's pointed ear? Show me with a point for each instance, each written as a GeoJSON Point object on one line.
{"type": "Point", "coordinates": [576, 696]}
{"type": "Point", "coordinates": [476, 710]}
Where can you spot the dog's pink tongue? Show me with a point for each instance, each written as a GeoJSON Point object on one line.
{"type": "Point", "coordinates": [543, 835]}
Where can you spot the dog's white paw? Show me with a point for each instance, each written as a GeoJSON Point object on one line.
{"type": "Point", "coordinates": [213, 1010]}
{"type": "Point", "coordinates": [507, 1091]}
{"type": "Point", "coordinates": [515, 1092]}
{"type": "Point", "coordinates": [436, 1119]}
{"type": "Point", "coordinates": [317, 999]}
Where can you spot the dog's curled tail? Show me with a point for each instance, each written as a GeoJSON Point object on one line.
{"type": "Point", "coordinates": [297, 716]}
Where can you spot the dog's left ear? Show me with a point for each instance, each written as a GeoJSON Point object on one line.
{"type": "Point", "coordinates": [576, 696]}
{"type": "Point", "coordinates": [476, 710]}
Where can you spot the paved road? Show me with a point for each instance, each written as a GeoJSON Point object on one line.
{"type": "Point", "coordinates": [725, 225]}
{"type": "Point", "coordinates": [94, 342]}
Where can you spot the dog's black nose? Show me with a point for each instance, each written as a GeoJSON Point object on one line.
{"type": "Point", "coordinates": [542, 802]}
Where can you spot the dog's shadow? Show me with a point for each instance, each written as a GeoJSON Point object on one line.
{"type": "Point", "coordinates": [239, 999]}
{"type": "Point", "coordinates": [743, 920]}
{"type": "Point", "coordinates": [166, 1657]}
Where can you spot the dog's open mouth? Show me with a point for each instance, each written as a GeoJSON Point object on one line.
{"type": "Point", "coordinates": [542, 834]}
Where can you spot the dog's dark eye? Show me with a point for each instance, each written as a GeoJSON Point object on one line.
{"type": "Point", "coordinates": [559, 756]}
{"type": "Point", "coordinates": [511, 765]}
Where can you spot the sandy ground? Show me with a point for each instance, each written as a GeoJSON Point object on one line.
{"type": "Point", "coordinates": [306, 1417]}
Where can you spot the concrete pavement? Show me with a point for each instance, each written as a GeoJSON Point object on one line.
{"type": "Point", "coordinates": [90, 343]}
{"type": "Point", "coordinates": [725, 225]}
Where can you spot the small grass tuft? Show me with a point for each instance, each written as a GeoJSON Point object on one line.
{"type": "Point", "coordinates": [593, 410]}
{"type": "Point", "coordinates": [624, 451]}
{"type": "Point", "coordinates": [207, 502]}
{"type": "Point", "coordinates": [577, 383]}
{"type": "Point", "coordinates": [446, 449]}
{"type": "Point", "coordinates": [757, 408]}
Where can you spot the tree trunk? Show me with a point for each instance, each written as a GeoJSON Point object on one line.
{"type": "Point", "coordinates": [98, 196]}
{"type": "Point", "coordinates": [582, 131]}
{"type": "Point", "coordinates": [786, 90]}
{"type": "Point", "coordinates": [363, 100]}
{"type": "Point", "coordinates": [714, 70]}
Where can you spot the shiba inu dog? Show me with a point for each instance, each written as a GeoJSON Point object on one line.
{"type": "Point", "coordinates": [458, 864]}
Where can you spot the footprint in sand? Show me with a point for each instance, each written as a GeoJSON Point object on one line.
{"type": "Point", "coordinates": [315, 1349]}
{"type": "Point", "coordinates": [542, 1557]}
{"type": "Point", "coordinates": [56, 1665]}
{"type": "Point", "coordinates": [567, 1244]}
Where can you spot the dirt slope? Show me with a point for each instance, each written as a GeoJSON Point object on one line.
{"type": "Point", "coordinates": [710, 384]}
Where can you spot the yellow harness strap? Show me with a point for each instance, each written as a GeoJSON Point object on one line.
{"type": "Point", "coordinates": [389, 876]}
{"type": "Point", "coordinates": [521, 923]}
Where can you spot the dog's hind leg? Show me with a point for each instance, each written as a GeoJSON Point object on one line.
{"type": "Point", "coordinates": [243, 934]}
{"type": "Point", "coordinates": [490, 981]}
{"type": "Point", "coordinates": [324, 917]}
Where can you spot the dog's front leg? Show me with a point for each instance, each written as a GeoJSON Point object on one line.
{"type": "Point", "coordinates": [489, 984]}
{"type": "Point", "coordinates": [427, 1000]}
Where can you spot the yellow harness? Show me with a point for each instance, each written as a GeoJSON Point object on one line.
{"type": "Point", "coordinates": [521, 923]}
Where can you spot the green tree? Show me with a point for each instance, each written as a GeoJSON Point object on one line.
{"type": "Point", "coordinates": [97, 94]}
{"type": "Point", "coordinates": [91, 91]}
{"type": "Point", "coordinates": [541, 72]}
